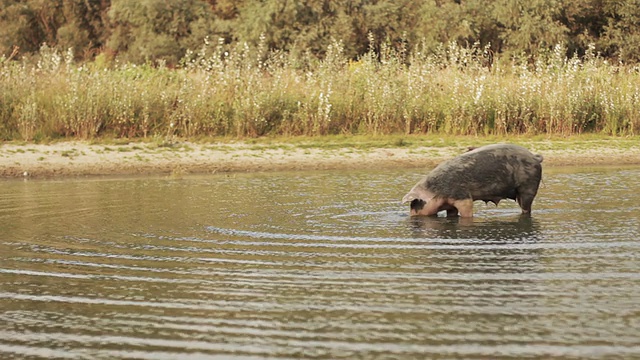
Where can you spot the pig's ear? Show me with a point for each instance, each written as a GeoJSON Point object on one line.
{"type": "Point", "coordinates": [413, 195]}
{"type": "Point", "coordinates": [409, 197]}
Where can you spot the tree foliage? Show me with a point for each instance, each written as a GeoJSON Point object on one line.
{"type": "Point", "coordinates": [27, 24]}
{"type": "Point", "coordinates": [152, 30]}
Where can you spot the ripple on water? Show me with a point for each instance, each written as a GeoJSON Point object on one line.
{"type": "Point", "coordinates": [189, 268]}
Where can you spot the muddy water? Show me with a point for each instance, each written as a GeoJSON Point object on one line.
{"type": "Point", "coordinates": [316, 265]}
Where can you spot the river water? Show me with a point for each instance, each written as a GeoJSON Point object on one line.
{"type": "Point", "coordinates": [320, 265]}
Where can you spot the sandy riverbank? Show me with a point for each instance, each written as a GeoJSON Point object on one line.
{"type": "Point", "coordinates": [66, 159]}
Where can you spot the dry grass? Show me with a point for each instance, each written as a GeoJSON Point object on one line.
{"type": "Point", "coordinates": [248, 92]}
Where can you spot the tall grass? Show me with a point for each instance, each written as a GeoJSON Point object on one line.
{"type": "Point", "coordinates": [250, 92]}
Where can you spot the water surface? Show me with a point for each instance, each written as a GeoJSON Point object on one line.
{"type": "Point", "coordinates": [316, 265]}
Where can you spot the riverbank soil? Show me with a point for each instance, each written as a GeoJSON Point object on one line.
{"type": "Point", "coordinates": [76, 158]}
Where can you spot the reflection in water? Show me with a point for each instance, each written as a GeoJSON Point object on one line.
{"type": "Point", "coordinates": [316, 265]}
{"type": "Point", "coordinates": [487, 247]}
{"type": "Point", "coordinates": [521, 227]}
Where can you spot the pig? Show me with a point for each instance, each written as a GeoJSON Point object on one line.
{"type": "Point", "coordinates": [487, 173]}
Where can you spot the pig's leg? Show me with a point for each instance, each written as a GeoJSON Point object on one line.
{"type": "Point", "coordinates": [525, 200]}
{"type": "Point", "coordinates": [464, 206]}
{"type": "Point", "coordinates": [451, 210]}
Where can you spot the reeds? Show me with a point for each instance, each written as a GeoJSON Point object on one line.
{"type": "Point", "coordinates": [250, 92]}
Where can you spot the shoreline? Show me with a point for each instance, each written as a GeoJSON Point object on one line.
{"type": "Point", "coordinates": [78, 159]}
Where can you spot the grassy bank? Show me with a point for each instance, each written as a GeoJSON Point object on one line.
{"type": "Point", "coordinates": [248, 92]}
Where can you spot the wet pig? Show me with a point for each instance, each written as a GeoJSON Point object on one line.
{"type": "Point", "coordinates": [487, 173]}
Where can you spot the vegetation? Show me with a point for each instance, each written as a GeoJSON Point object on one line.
{"type": "Point", "coordinates": [250, 92]}
{"type": "Point", "coordinates": [195, 68]}
{"type": "Point", "coordinates": [151, 30]}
